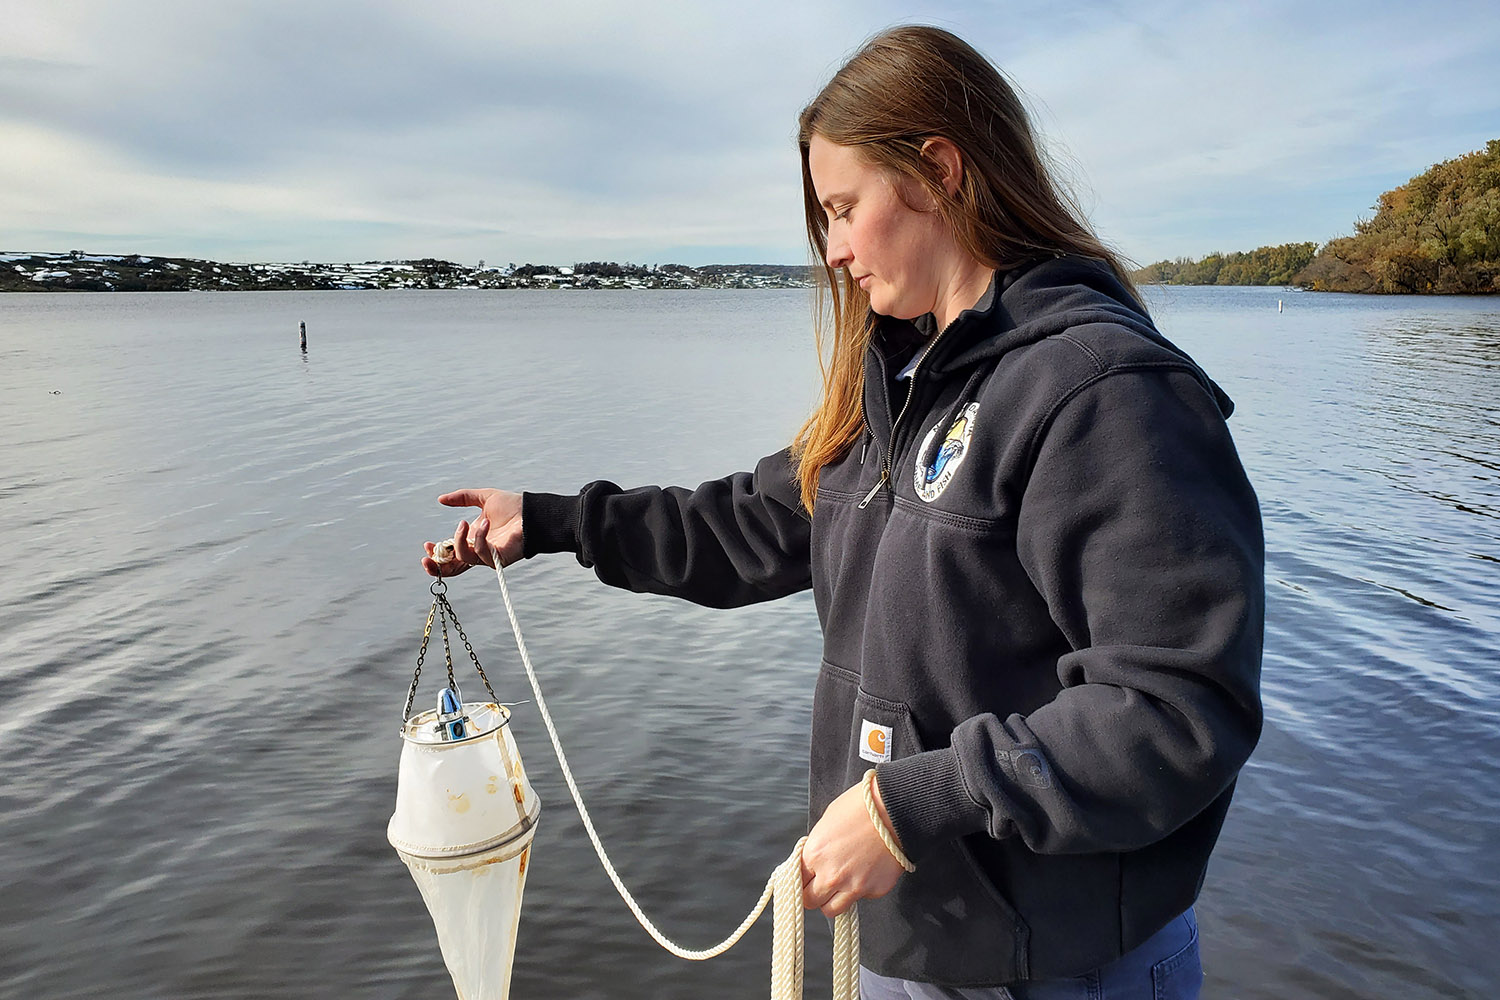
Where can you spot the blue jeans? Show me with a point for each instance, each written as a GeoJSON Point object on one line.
{"type": "Point", "coordinates": [1165, 967]}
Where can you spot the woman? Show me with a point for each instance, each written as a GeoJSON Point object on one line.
{"type": "Point", "coordinates": [1036, 559]}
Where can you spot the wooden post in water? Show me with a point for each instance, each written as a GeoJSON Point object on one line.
{"type": "Point", "coordinates": [304, 336]}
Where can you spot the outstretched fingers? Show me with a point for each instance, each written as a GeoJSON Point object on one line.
{"type": "Point", "coordinates": [464, 498]}
{"type": "Point", "coordinates": [471, 545]}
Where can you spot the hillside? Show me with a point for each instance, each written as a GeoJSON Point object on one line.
{"type": "Point", "coordinates": [1438, 233]}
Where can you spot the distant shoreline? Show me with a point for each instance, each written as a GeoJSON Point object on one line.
{"type": "Point", "coordinates": [76, 271]}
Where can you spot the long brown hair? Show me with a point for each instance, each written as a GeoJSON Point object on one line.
{"type": "Point", "coordinates": [906, 85]}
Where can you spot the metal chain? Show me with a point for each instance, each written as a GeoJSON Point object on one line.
{"type": "Point", "coordinates": [447, 649]}
{"type": "Point", "coordinates": [442, 610]}
{"type": "Point", "coordinates": [421, 654]}
{"type": "Point", "coordinates": [472, 655]}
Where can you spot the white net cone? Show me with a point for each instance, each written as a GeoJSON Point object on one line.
{"type": "Point", "coordinates": [476, 911]}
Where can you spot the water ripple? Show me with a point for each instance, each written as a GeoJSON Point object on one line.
{"type": "Point", "coordinates": [213, 610]}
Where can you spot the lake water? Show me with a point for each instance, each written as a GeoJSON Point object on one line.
{"type": "Point", "coordinates": [211, 608]}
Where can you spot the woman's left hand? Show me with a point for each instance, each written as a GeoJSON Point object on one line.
{"type": "Point", "coordinates": [844, 859]}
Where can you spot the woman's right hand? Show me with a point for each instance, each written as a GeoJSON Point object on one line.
{"type": "Point", "coordinates": [496, 533]}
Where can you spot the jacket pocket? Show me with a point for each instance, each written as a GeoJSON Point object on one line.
{"type": "Point", "coordinates": [946, 922]}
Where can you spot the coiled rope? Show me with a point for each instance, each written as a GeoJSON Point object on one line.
{"type": "Point", "coordinates": [783, 890]}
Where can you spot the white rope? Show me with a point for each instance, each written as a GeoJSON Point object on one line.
{"type": "Point", "coordinates": [868, 783]}
{"type": "Point", "coordinates": [784, 886]}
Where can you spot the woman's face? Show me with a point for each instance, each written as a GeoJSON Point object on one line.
{"type": "Point", "coordinates": [896, 252]}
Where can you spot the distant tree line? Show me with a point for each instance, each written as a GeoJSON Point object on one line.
{"type": "Point", "coordinates": [1438, 233]}
{"type": "Point", "coordinates": [603, 269]}
{"type": "Point", "coordinates": [1278, 265]}
{"type": "Point", "coordinates": [608, 269]}
{"type": "Point", "coordinates": [793, 272]}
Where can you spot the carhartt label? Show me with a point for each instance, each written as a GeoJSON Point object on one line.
{"type": "Point", "coordinates": [874, 742]}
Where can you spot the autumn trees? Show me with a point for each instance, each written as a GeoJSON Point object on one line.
{"type": "Point", "coordinates": [1438, 233]}
{"type": "Point", "coordinates": [1276, 265]}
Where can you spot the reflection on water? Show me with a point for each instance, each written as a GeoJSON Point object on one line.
{"type": "Point", "coordinates": [1363, 820]}
{"type": "Point", "coordinates": [214, 607]}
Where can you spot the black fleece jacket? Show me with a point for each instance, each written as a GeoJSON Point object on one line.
{"type": "Point", "coordinates": [1040, 581]}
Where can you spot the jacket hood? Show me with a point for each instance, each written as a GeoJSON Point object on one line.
{"type": "Point", "coordinates": [1036, 301]}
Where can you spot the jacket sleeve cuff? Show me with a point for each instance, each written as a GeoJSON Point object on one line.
{"type": "Point", "coordinates": [549, 523]}
{"type": "Point", "coordinates": [928, 803]}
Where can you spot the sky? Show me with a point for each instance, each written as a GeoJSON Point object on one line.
{"type": "Point", "coordinates": [665, 132]}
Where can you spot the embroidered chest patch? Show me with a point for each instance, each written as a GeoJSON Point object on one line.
{"type": "Point", "coordinates": [933, 477]}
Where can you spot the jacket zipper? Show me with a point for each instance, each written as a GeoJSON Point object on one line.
{"type": "Point", "coordinates": [884, 469]}
{"type": "Point", "coordinates": [911, 390]}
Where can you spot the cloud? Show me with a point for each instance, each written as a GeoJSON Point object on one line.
{"type": "Point", "coordinates": [1293, 115]}
{"type": "Point", "coordinates": [354, 130]}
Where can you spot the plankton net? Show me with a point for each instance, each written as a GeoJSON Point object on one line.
{"type": "Point", "coordinates": [465, 816]}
